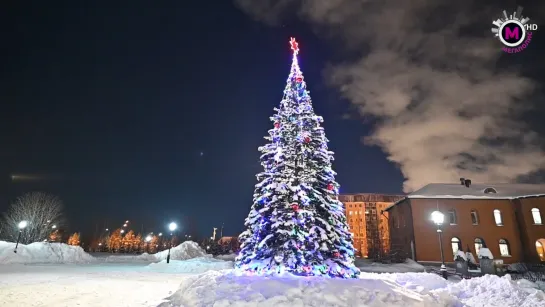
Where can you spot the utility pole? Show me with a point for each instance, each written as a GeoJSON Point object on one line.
{"type": "Point", "coordinates": [221, 231]}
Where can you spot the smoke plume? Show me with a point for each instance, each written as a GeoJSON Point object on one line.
{"type": "Point", "coordinates": [426, 72]}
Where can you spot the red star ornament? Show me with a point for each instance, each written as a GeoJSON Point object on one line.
{"type": "Point", "coordinates": [294, 45]}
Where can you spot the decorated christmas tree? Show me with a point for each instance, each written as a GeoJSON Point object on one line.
{"type": "Point", "coordinates": [296, 224]}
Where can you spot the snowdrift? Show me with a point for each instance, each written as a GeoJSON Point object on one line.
{"type": "Point", "coordinates": [408, 266]}
{"type": "Point", "coordinates": [224, 288]}
{"type": "Point", "coordinates": [194, 266]}
{"type": "Point", "coordinates": [42, 253]}
{"type": "Point", "coordinates": [184, 251]}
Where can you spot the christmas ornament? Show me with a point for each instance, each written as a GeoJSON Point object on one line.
{"type": "Point", "coordinates": [307, 269]}
{"type": "Point", "coordinates": [294, 46]}
{"type": "Point", "coordinates": [292, 119]}
{"type": "Point", "coordinates": [307, 139]}
{"type": "Point", "coordinates": [299, 79]}
{"type": "Point", "coordinates": [330, 187]}
{"type": "Point", "coordinates": [336, 254]}
{"type": "Point", "coordinates": [295, 207]}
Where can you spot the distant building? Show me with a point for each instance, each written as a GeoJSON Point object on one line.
{"type": "Point", "coordinates": [506, 218]}
{"type": "Point", "coordinates": [230, 243]}
{"type": "Point", "coordinates": [368, 223]}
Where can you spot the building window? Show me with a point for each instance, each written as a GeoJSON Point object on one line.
{"type": "Point", "coordinates": [498, 218]}
{"type": "Point", "coordinates": [479, 243]}
{"type": "Point", "coordinates": [456, 245]}
{"type": "Point", "coordinates": [504, 248]}
{"type": "Point", "coordinates": [474, 217]}
{"type": "Point", "coordinates": [452, 216]}
{"type": "Point", "coordinates": [537, 216]}
{"type": "Point", "coordinates": [349, 212]}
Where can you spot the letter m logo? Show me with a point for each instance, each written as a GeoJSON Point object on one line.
{"type": "Point", "coordinates": [512, 33]}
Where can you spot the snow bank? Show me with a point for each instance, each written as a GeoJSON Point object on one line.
{"type": "Point", "coordinates": [405, 289]}
{"type": "Point", "coordinates": [184, 251]}
{"type": "Point", "coordinates": [195, 265]}
{"type": "Point", "coordinates": [491, 290]}
{"type": "Point", "coordinates": [227, 289]}
{"type": "Point", "coordinates": [42, 253]}
{"type": "Point", "coordinates": [408, 266]}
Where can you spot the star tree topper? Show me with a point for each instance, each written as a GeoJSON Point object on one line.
{"type": "Point", "coordinates": [294, 46]}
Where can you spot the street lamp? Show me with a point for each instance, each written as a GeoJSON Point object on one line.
{"type": "Point", "coordinates": [438, 218]}
{"type": "Point", "coordinates": [172, 226]}
{"type": "Point", "coordinates": [22, 225]}
{"type": "Point", "coordinates": [54, 226]}
{"type": "Point", "coordinates": [122, 231]}
{"type": "Point", "coordinates": [148, 239]}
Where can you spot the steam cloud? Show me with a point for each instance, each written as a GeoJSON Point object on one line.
{"type": "Point", "coordinates": [441, 108]}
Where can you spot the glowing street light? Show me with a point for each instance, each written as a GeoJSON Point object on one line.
{"type": "Point", "coordinates": [172, 227]}
{"type": "Point", "coordinates": [122, 231]}
{"type": "Point", "coordinates": [22, 225]}
{"type": "Point", "coordinates": [160, 234]}
{"type": "Point", "coordinates": [148, 240]}
{"type": "Point", "coordinates": [125, 225]}
{"type": "Point", "coordinates": [127, 221]}
{"type": "Point", "coordinates": [438, 219]}
{"type": "Point", "coordinates": [54, 226]}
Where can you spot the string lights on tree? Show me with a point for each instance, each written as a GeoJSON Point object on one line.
{"type": "Point", "coordinates": [296, 224]}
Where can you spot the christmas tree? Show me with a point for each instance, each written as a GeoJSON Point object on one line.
{"type": "Point", "coordinates": [296, 224]}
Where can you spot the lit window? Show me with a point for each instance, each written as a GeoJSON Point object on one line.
{"type": "Point", "coordinates": [349, 212]}
{"type": "Point", "coordinates": [474, 217]}
{"type": "Point", "coordinates": [537, 216]}
{"type": "Point", "coordinates": [498, 217]}
{"type": "Point", "coordinates": [478, 245]}
{"type": "Point", "coordinates": [452, 216]}
{"type": "Point", "coordinates": [455, 243]}
{"type": "Point", "coordinates": [504, 248]}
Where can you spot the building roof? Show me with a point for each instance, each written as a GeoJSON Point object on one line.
{"type": "Point", "coordinates": [479, 191]}
{"type": "Point", "coordinates": [370, 197]}
{"type": "Point", "coordinates": [476, 191]}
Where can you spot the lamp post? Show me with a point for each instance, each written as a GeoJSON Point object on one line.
{"type": "Point", "coordinates": [172, 226]}
{"type": "Point", "coordinates": [148, 239]}
{"type": "Point", "coordinates": [438, 218]}
{"type": "Point", "coordinates": [22, 225]}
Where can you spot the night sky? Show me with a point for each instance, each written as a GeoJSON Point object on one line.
{"type": "Point", "coordinates": [154, 113]}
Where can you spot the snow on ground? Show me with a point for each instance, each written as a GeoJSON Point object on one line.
{"type": "Point", "coordinates": [400, 289]}
{"type": "Point", "coordinates": [229, 257]}
{"type": "Point", "coordinates": [45, 274]}
{"type": "Point", "coordinates": [42, 253]}
{"type": "Point", "coordinates": [140, 284]}
{"type": "Point", "coordinates": [409, 266]}
{"type": "Point", "coordinates": [195, 265]}
{"type": "Point", "coordinates": [86, 285]}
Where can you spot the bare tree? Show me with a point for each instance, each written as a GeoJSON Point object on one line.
{"type": "Point", "coordinates": [42, 211]}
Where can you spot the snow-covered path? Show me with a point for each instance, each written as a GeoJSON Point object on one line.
{"type": "Point", "coordinates": [85, 285]}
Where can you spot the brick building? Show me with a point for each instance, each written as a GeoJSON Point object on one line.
{"type": "Point", "coordinates": [506, 218]}
{"type": "Point", "coordinates": [368, 222]}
